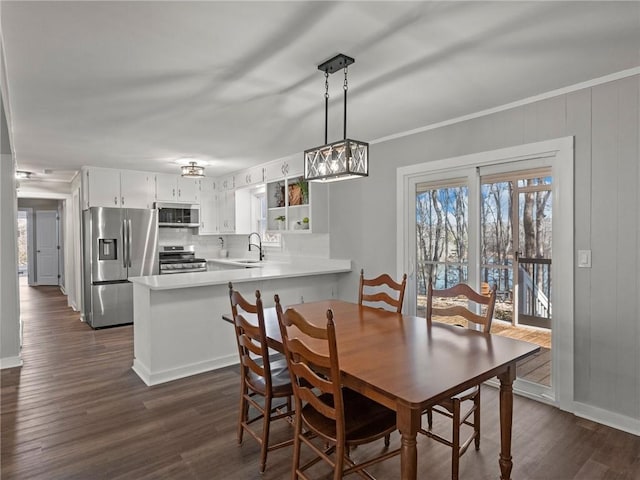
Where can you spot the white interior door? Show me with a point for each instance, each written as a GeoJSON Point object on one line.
{"type": "Point", "coordinates": [47, 247]}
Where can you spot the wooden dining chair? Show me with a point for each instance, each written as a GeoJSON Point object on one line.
{"type": "Point", "coordinates": [377, 290]}
{"type": "Point", "coordinates": [452, 407]}
{"type": "Point", "coordinates": [261, 379]}
{"type": "Point", "coordinates": [330, 419]}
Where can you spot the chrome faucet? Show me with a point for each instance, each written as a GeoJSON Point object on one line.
{"type": "Point", "coordinates": [259, 244]}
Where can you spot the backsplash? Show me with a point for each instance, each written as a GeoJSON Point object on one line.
{"type": "Point", "coordinates": [209, 246]}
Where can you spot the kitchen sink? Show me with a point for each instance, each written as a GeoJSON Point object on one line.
{"type": "Point", "coordinates": [230, 263]}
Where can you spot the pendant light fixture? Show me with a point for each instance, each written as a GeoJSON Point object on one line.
{"type": "Point", "coordinates": [192, 170]}
{"type": "Point", "coordinates": [345, 158]}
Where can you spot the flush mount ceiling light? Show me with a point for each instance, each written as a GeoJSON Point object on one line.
{"type": "Point", "coordinates": [345, 158]}
{"type": "Point", "coordinates": [192, 170]}
{"type": "Point", "coordinates": [23, 174]}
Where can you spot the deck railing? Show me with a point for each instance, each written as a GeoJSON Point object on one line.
{"type": "Point", "coordinates": [534, 294]}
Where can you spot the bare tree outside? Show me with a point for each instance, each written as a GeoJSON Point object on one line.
{"type": "Point", "coordinates": [442, 237]}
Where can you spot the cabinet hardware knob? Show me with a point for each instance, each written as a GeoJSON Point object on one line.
{"type": "Point", "coordinates": [115, 200]}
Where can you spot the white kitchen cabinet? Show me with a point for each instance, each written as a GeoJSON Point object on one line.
{"type": "Point", "coordinates": [281, 169]}
{"type": "Point", "coordinates": [245, 219]}
{"type": "Point", "coordinates": [166, 187]}
{"type": "Point", "coordinates": [108, 187]}
{"type": "Point", "coordinates": [250, 177]}
{"type": "Point", "coordinates": [226, 183]}
{"type": "Point", "coordinates": [175, 188]}
{"type": "Point", "coordinates": [136, 189]}
{"type": "Point", "coordinates": [188, 189]}
{"type": "Point", "coordinates": [209, 208]}
{"type": "Point", "coordinates": [227, 211]}
{"type": "Point", "coordinates": [226, 204]}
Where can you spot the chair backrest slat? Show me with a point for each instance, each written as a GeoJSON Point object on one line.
{"type": "Point", "coordinates": [378, 290]}
{"type": "Point", "coordinates": [467, 293]}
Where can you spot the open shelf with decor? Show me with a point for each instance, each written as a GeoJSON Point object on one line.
{"type": "Point", "coordinates": [290, 206]}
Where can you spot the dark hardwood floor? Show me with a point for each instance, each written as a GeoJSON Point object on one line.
{"type": "Point", "coordinates": [76, 410]}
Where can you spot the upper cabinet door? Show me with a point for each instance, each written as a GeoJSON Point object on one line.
{"type": "Point", "coordinates": [295, 167]}
{"type": "Point", "coordinates": [226, 183]}
{"type": "Point", "coordinates": [102, 186]}
{"type": "Point", "coordinates": [136, 189]}
{"type": "Point", "coordinates": [253, 176]}
{"type": "Point", "coordinates": [174, 188]}
{"type": "Point", "coordinates": [166, 187]}
{"type": "Point", "coordinates": [188, 189]}
{"type": "Point", "coordinates": [283, 169]}
{"type": "Point", "coordinates": [208, 185]}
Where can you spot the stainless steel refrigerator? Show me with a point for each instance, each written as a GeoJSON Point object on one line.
{"type": "Point", "coordinates": [119, 243]}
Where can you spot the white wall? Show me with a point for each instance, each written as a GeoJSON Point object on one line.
{"type": "Point", "coordinates": [605, 120]}
{"type": "Point", "coordinates": [9, 304]}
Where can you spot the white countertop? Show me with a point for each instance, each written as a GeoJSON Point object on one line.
{"type": "Point", "coordinates": [268, 270]}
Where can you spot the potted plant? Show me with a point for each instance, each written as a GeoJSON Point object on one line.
{"type": "Point", "coordinates": [304, 223]}
{"type": "Point", "coordinates": [280, 221]}
{"type": "Point", "coordinates": [304, 190]}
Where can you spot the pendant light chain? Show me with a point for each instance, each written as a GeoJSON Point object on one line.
{"type": "Point", "coordinates": [326, 105]}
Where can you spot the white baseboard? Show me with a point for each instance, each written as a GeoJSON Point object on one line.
{"type": "Point", "coordinates": [10, 362]}
{"type": "Point", "coordinates": [164, 376]}
{"type": "Point", "coordinates": [605, 417]}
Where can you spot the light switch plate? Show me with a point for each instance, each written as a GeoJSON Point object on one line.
{"type": "Point", "coordinates": [584, 258]}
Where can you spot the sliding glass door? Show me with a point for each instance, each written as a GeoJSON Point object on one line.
{"type": "Point", "coordinates": [493, 217]}
{"type": "Point", "coordinates": [502, 236]}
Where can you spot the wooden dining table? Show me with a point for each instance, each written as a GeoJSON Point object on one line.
{"type": "Point", "coordinates": [408, 365]}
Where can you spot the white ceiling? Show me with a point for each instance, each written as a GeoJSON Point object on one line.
{"type": "Point", "coordinates": [139, 85]}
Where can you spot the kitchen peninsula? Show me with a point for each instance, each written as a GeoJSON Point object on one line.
{"type": "Point", "coordinates": [177, 326]}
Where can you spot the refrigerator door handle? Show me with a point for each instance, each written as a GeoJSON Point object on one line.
{"type": "Point", "coordinates": [129, 241]}
{"type": "Point", "coordinates": [124, 243]}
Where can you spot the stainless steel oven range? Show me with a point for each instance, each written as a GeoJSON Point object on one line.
{"type": "Point", "coordinates": [180, 259]}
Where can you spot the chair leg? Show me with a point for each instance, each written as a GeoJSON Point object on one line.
{"type": "Point", "coordinates": [455, 451]}
{"type": "Point", "coordinates": [429, 419]}
{"type": "Point", "coordinates": [297, 431]}
{"type": "Point", "coordinates": [339, 465]}
{"type": "Point", "coordinates": [244, 411]}
{"type": "Point", "coordinates": [387, 439]}
{"type": "Point", "coordinates": [476, 419]}
{"type": "Point", "coordinates": [266, 423]}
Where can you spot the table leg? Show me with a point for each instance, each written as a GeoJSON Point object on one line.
{"type": "Point", "coordinates": [506, 419]}
{"type": "Point", "coordinates": [408, 420]}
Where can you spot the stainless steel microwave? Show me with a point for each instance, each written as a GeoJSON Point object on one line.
{"type": "Point", "coordinates": [178, 214]}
